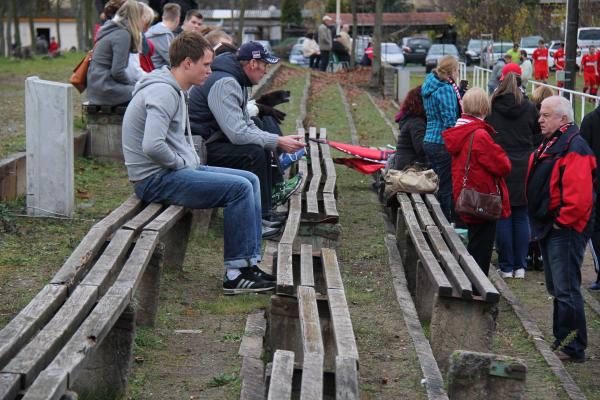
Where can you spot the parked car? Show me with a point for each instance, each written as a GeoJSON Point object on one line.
{"type": "Point", "coordinates": [391, 53]}
{"type": "Point", "coordinates": [437, 51]}
{"type": "Point", "coordinates": [529, 44]}
{"type": "Point", "coordinates": [416, 49]}
{"type": "Point", "coordinates": [296, 56]}
{"type": "Point", "coordinates": [553, 47]}
{"type": "Point", "coordinates": [587, 37]}
{"type": "Point", "coordinates": [362, 42]}
{"type": "Point", "coordinates": [495, 51]}
{"type": "Point", "coordinates": [474, 49]}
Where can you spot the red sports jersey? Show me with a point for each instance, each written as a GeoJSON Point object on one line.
{"type": "Point", "coordinates": [540, 59]}
{"type": "Point", "coordinates": [589, 63]}
{"type": "Point", "coordinates": [559, 59]}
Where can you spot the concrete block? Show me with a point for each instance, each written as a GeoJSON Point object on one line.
{"type": "Point", "coordinates": [403, 84]}
{"type": "Point", "coordinates": [104, 140]}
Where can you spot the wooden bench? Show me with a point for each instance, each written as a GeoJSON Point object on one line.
{"type": "Point", "coordinates": [451, 293]}
{"type": "Point", "coordinates": [104, 131]}
{"type": "Point", "coordinates": [77, 332]}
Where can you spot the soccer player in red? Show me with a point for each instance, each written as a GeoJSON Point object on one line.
{"type": "Point", "coordinates": [559, 64]}
{"type": "Point", "coordinates": [540, 63]}
{"type": "Point", "coordinates": [589, 66]}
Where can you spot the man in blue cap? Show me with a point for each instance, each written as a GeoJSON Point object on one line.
{"type": "Point", "coordinates": [218, 113]}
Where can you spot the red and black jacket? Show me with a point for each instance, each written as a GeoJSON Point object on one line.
{"type": "Point", "coordinates": [560, 183]}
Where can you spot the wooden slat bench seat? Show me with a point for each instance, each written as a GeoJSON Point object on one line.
{"type": "Point", "coordinates": [451, 293]}
{"type": "Point", "coordinates": [77, 333]}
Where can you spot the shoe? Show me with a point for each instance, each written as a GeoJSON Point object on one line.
{"type": "Point", "coordinates": [262, 274]}
{"type": "Point", "coordinates": [271, 224]}
{"type": "Point", "coordinates": [275, 216]}
{"type": "Point", "coordinates": [268, 232]}
{"type": "Point", "coordinates": [564, 357]}
{"type": "Point", "coordinates": [283, 191]}
{"type": "Point", "coordinates": [520, 273]}
{"type": "Point", "coordinates": [595, 286]}
{"type": "Point", "coordinates": [286, 159]}
{"type": "Point", "coordinates": [246, 282]}
{"type": "Point", "coordinates": [506, 274]}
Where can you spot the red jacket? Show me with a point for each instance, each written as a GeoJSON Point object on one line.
{"type": "Point", "coordinates": [489, 163]}
{"type": "Point", "coordinates": [540, 59]}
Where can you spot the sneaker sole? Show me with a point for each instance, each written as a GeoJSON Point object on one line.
{"type": "Point", "coordinates": [232, 292]}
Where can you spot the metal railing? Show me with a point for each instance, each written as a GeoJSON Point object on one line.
{"type": "Point", "coordinates": [462, 71]}
{"type": "Point", "coordinates": [481, 76]}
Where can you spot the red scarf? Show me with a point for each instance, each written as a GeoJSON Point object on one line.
{"type": "Point", "coordinates": [458, 98]}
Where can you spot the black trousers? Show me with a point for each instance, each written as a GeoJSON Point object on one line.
{"type": "Point", "coordinates": [481, 243]}
{"type": "Point", "coordinates": [249, 157]}
{"type": "Point", "coordinates": [324, 60]}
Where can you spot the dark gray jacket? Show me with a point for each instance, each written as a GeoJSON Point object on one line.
{"type": "Point", "coordinates": [409, 149]}
{"type": "Point", "coordinates": [161, 38]}
{"type": "Point", "coordinates": [107, 81]}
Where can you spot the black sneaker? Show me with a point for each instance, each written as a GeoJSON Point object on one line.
{"type": "Point", "coordinates": [275, 216]}
{"type": "Point", "coordinates": [262, 274]}
{"type": "Point", "coordinates": [246, 282]}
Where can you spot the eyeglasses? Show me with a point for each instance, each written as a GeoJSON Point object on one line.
{"type": "Point", "coordinates": [265, 66]}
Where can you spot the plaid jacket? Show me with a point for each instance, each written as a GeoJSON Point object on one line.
{"type": "Point", "coordinates": [441, 107]}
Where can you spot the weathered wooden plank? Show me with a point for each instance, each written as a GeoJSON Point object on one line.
{"type": "Point", "coordinates": [330, 181]}
{"type": "Point", "coordinates": [252, 375]}
{"type": "Point", "coordinates": [423, 215]}
{"type": "Point", "coordinates": [303, 169]}
{"type": "Point", "coordinates": [133, 270]}
{"type": "Point", "coordinates": [106, 268]}
{"type": "Point", "coordinates": [459, 280]}
{"type": "Point", "coordinates": [322, 133]}
{"type": "Point", "coordinates": [268, 258]}
{"type": "Point", "coordinates": [38, 353]}
{"type": "Point", "coordinates": [331, 268]}
{"type": "Point", "coordinates": [296, 202]}
{"type": "Point", "coordinates": [120, 214]}
{"type": "Point", "coordinates": [138, 222]}
{"type": "Point", "coordinates": [291, 228]}
{"type": "Point", "coordinates": [285, 276]}
{"type": "Point", "coordinates": [32, 318]}
{"type": "Point", "coordinates": [346, 378]}
{"type": "Point", "coordinates": [252, 341]}
{"type": "Point", "coordinates": [166, 220]}
{"type": "Point", "coordinates": [50, 385]}
{"type": "Point", "coordinates": [281, 376]}
{"type": "Point", "coordinates": [9, 386]}
{"type": "Point", "coordinates": [345, 341]}
{"type": "Point", "coordinates": [311, 387]}
{"type": "Point", "coordinates": [312, 132]}
{"type": "Point", "coordinates": [307, 277]}
{"type": "Point", "coordinates": [330, 205]}
{"type": "Point", "coordinates": [312, 341]}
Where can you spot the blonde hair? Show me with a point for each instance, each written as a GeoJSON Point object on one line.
{"type": "Point", "coordinates": [446, 66]}
{"type": "Point", "coordinates": [476, 103]}
{"type": "Point", "coordinates": [540, 93]}
{"type": "Point", "coordinates": [130, 17]}
{"type": "Point", "coordinates": [509, 85]}
{"type": "Point", "coordinates": [148, 15]}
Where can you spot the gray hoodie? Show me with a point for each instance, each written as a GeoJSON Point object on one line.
{"type": "Point", "coordinates": [154, 127]}
{"type": "Point", "coordinates": [161, 37]}
{"type": "Point", "coordinates": [107, 82]}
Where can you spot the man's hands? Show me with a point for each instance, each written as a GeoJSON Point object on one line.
{"type": "Point", "coordinates": [290, 143]}
{"type": "Point", "coordinates": [274, 98]}
{"type": "Point", "coordinates": [264, 110]}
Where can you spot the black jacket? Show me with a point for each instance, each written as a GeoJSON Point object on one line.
{"type": "Point", "coordinates": [517, 130]}
{"type": "Point", "coordinates": [410, 142]}
{"type": "Point", "coordinates": [590, 131]}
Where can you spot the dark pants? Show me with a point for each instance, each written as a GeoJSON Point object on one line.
{"type": "Point", "coordinates": [324, 60]}
{"type": "Point", "coordinates": [441, 162]}
{"type": "Point", "coordinates": [562, 253]}
{"type": "Point", "coordinates": [313, 61]}
{"type": "Point", "coordinates": [481, 243]}
{"type": "Point", "coordinates": [249, 157]}
{"type": "Point", "coordinates": [512, 239]}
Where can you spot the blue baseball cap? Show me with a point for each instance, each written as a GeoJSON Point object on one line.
{"type": "Point", "coordinates": [256, 51]}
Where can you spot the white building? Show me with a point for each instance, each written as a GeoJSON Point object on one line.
{"type": "Point", "coordinates": [47, 28]}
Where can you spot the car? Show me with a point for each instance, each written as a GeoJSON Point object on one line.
{"type": "Point", "coordinates": [474, 49]}
{"type": "Point", "coordinates": [494, 51]}
{"type": "Point", "coordinates": [297, 57]}
{"type": "Point", "coordinates": [362, 42]}
{"type": "Point", "coordinates": [437, 51]}
{"type": "Point", "coordinates": [391, 53]}
{"type": "Point", "coordinates": [587, 37]}
{"type": "Point", "coordinates": [553, 47]}
{"type": "Point", "coordinates": [416, 49]}
{"type": "Point", "coordinates": [529, 44]}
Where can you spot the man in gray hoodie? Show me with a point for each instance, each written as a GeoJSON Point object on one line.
{"type": "Point", "coordinates": [164, 167]}
{"type": "Point", "coordinates": [161, 34]}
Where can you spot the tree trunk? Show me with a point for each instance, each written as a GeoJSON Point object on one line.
{"type": "Point", "coordinates": [240, 32]}
{"type": "Point", "coordinates": [2, 37]}
{"type": "Point", "coordinates": [354, 34]}
{"type": "Point", "coordinates": [76, 10]}
{"type": "Point", "coordinates": [58, 6]}
{"type": "Point", "coordinates": [231, 7]}
{"type": "Point", "coordinates": [90, 22]}
{"type": "Point", "coordinates": [376, 75]}
{"type": "Point", "coordinates": [30, 14]}
{"type": "Point", "coordinates": [15, 18]}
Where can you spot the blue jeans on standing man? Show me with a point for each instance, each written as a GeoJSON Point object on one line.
{"type": "Point", "coordinates": [207, 187]}
{"type": "Point", "coordinates": [562, 253]}
{"type": "Point", "coordinates": [512, 239]}
{"type": "Point", "coordinates": [441, 162]}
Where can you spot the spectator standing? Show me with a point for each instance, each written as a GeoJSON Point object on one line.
{"type": "Point", "coordinates": [367, 58]}
{"type": "Point", "coordinates": [53, 47]}
{"type": "Point", "coordinates": [526, 69]}
{"type": "Point", "coordinates": [107, 78]}
{"type": "Point", "coordinates": [340, 50]}
{"type": "Point", "coordinates": [540, 62]}
{"type": "Point", "coordinates": [310, 49]}
{"type": "Point", "coordinates": [559, 64]}
{"type": "Point", "coordinates": [494, 80]}
{"type": "Point", "coordinates": [345, 38]}
{"type": "Point", "coordinates": [161, 34]}
{"type": "Point", "coordinates": [540, 94]}
{"type": "Point", "coordinates": [560, 197]}
{"type": "Point", "coordinates": [514, 118]}
{"type": "Point", "coordinates": [193, 21]}
{"type": "Point", "coordinates": [590, 131]}
{"type": "Point", "coordinates": [184, 7]}
{"type": "Point", "coordinates": [514, 53]}
{"type": "Point", "coordinates": [472, 141]}
{"type": "Point", "coordinates": [441, 99]}
{"type": "Point", "coordinates": [589, 66]}
{"type": "Point", "coordinates": [411, 121]}
{"type": "Point", "coordinates": [325, 42]}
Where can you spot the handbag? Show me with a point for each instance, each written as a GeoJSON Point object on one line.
{"type": "Point", "coordinates": [481, 205]}
{"type": "Point", "coordinates": [79, 76]}
{"type": "Point", "coordinates": [412, 179]}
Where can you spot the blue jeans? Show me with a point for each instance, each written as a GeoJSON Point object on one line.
{"type": "Point", "coordinates": [441, 162]}
{"type": "Point", "coordinates": [512, 239]}
{"type": "Point", "coordinates": [562, 253]}
{"type": "Point", "coordinates": [207, 187]}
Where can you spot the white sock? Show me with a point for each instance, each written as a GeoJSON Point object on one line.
{"type": "Point", "coordinates": [233, 273]}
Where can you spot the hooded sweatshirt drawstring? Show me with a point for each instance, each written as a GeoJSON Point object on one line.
{"type": "Point", "coordinates": [186, 118]}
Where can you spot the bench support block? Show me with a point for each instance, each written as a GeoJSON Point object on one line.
{"type": "Point", "coordinates": [176, 241]}
{"type": "Point", "coordinates": [147, 295]}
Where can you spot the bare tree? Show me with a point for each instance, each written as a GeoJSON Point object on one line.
{"type": "Point", "coordinates": [15, 18]}
{"type": "Point", "coordinates": [376, 75]}
{"type": "Point", "coordinates": [76, 9]}
{"type": "Point", "coordinates": [242, 16]}
{"type": "Point", "coordinates": [354, 34]}
{"type": "Point", "coordinates": [57, 18]}
{"type": "Point", "coordinates": [3, 8]}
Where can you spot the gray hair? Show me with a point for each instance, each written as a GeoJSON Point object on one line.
{"type": "Point", "coordinates": [562, 106]}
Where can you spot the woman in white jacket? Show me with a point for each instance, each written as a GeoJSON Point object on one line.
{"type": "Point", "coordinates": [310, 49]}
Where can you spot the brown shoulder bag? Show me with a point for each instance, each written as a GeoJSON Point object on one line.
{"type": "Point", "coordinates": [79, 77]}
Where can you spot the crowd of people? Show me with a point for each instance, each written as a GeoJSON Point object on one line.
{"type": "Point", "coordinates": [325, 45]}
{"type": "Point", "coordinates": [530, 153]}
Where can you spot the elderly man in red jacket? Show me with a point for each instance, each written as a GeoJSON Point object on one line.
{"type": "Point", "coordinates": [561, 200]}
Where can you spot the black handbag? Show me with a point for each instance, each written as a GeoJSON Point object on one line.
{"type": "Point", "coordinates": [481, 205]}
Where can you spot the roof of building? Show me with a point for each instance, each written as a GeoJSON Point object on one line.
{"type": "Point", "coordinates": [394, 19]}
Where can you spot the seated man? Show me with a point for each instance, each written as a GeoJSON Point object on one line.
{"type": "Point", "coordinates": [219, 114]}
{"type": "Point", "coordinates": [164, 167]}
